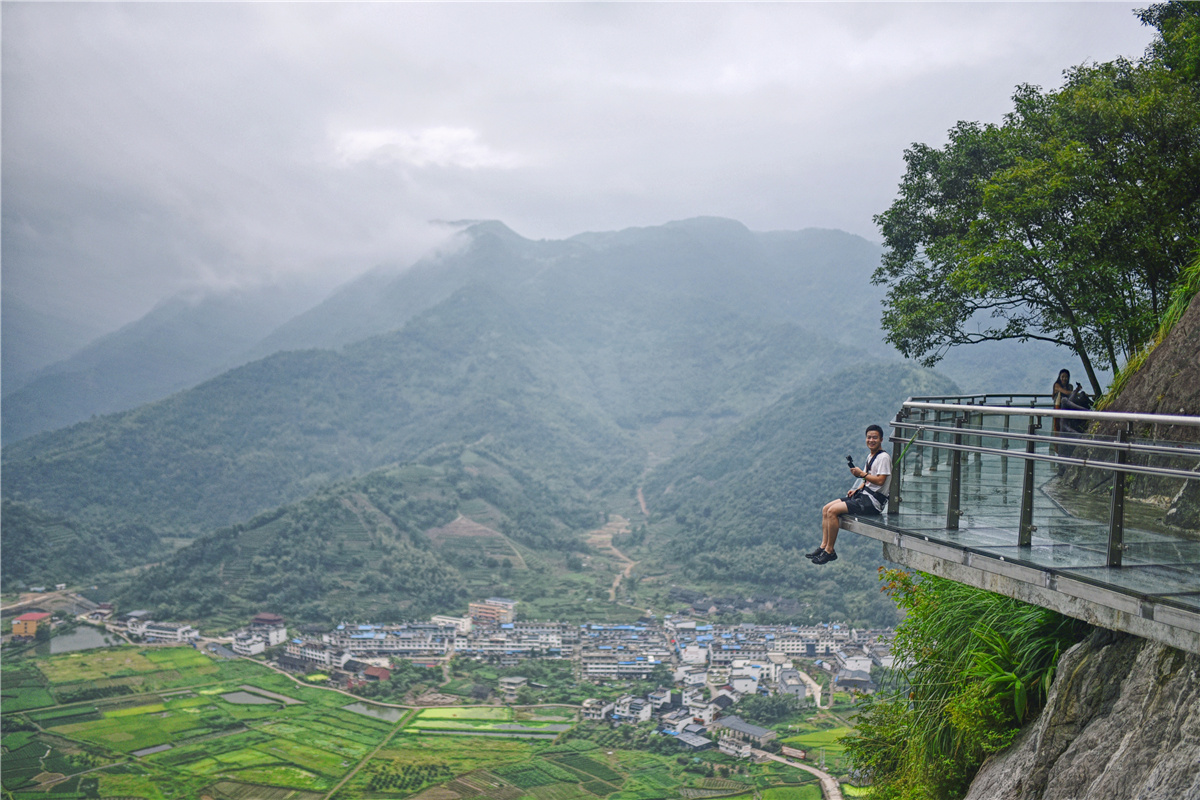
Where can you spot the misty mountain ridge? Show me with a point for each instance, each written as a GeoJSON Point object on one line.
{"type": "Point", "coordinates": [32, 339]}
{"type": "Point", "coordinates": [818, 278]}
{"type": "Point", "coordinates": [575, 368]}
{"type": "Point", "coordinates": [185, 339]}
{"type": "Point", "coordinates": [593, 338]}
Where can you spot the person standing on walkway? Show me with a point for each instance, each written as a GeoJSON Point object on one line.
{"type": "Point", "coordinates": [1062, 390]}
{"type": "Point", "coordinates": [869, 498]}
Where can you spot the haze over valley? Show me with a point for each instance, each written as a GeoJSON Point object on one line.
{"type": "Point", "coordinates": [532, 387]}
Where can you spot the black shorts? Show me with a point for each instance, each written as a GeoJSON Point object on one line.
{"type": "Point", "coordinates": [861, 505]}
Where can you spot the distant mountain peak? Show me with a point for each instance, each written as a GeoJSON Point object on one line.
{"type": "Point", "coordinates": [480, 227]}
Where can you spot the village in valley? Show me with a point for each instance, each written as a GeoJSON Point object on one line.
{"type": "Point", "coordinates": [720, 700]}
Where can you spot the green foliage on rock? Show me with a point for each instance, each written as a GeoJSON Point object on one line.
{"type": "Point", "coordinates": [975, 667]}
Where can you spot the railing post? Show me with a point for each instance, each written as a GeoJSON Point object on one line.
{"type": "Point", "coordinates": [933, 458]}
{"type": "Point", "coordinates": [1116, 504]}
{"type": "Point", "coordinates": [1004, 446]}
{"type": "Point", "coordinates": [1025, 532]}
{"type": "Point", "coordinates": [979, 437]}
{"type": "Point", "coordinates": [920, 449]}
{"type": "Point", "coordinates": [894, 490]}
{"type": "Point", "coordinates": [952, 503]}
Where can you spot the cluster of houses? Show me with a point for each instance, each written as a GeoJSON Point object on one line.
{"type": "Point", "coordinates": [265, 630]}
{"type": "Point", "coordinates": [688, 716]}
{"type": "Point", "coordinates": [735, 660]}
{"type": "Point", "coordinates": [700, 654]}
{"type": "Point", "coordinates": [139, 624]}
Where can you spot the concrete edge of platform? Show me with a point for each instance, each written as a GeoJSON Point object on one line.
{"type": "Point", "coordinates": [1095, 604]}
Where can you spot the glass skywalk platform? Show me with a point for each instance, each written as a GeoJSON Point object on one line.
{"type": "Point", "coordinates": [984, 495]}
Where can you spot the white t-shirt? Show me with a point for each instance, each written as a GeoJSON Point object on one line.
{"type": "Point", "coordinates": [882, 465]}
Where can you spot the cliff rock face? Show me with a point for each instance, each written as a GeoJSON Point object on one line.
{"type": "Point", "coordinates": [1168, 383]}
{"type": "Point", "coordinates": [1122, 721]}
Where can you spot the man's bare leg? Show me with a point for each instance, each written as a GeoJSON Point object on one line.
{"type": "Point", "coordinates": [829, 523]}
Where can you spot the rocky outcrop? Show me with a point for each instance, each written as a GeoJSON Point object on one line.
{"type": "Point", "coordinates": [1122, 721]}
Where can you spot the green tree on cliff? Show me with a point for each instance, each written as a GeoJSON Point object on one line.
{"type": "Point", "coordinates": [1068, 223]}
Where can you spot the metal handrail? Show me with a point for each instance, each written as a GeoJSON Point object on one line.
{"type": "Point", "coordinates": [1069, 439]}
{"type": "Point", "coordinates": [1111, 466]}
{"type": "Point", "coordinates": [1099, 416]}
{"type": "Point", "coordinates": [962, 411]}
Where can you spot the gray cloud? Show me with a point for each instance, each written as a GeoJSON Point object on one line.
{"type": "Point", "coordinates": [149, 148]}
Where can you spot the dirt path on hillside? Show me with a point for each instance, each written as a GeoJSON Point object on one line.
{"type": "Point", "coordinates": [601, 539]}
{"type": "Point", "coordinates": [642, 503]}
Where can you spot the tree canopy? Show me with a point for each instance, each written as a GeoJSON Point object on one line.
{"type": "Point", "coordinates": [1066, 223]}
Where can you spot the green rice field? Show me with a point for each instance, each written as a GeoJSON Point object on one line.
{"type": "Point", "coordinates": [167, 723]}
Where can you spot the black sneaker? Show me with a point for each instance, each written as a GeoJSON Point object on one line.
{"type": "Point", "coordinates": [814, 553]}
{"type": "Point", "coordinates": [825, 558]}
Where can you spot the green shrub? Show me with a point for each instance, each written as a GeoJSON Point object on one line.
{"type": "Point", "coordinates": [977, 667]}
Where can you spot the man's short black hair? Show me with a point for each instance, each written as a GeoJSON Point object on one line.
{"type": "Point", "coordinates": [875, 428]}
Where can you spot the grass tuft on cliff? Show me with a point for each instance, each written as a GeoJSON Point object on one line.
{"type": "Point", "coordinates": [972, 668]}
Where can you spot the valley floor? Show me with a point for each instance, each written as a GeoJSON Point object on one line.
{"type": "Point", "coordinates": [174, 722]}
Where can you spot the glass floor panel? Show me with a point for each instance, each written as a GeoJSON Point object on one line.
{"type": "Point", "coordinates": [1190, 600]}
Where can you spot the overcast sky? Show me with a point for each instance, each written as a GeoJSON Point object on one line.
{"type": "Point", "coordinates": [150, 148]}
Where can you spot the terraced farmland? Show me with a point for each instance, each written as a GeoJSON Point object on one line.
{"type": "Point", "coordinates": [185, 732]}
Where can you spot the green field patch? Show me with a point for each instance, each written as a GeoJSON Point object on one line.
{"type": "Point", "coordinates": [488, 725]}
{"type": "Point", "coordinates": [525, 776]}
{"type": "Point", "coordinates": [214, 747]}
{"type": "Point", "coordinates": [461, 754]}
{"type": "Point", "coordinates": [190, 703]}
{"type": "Point", "coordinates": [659, 778]}
{"type": "Point", "coordinates": [472, 713]}
{"type": "Point", "coordinates": [547, 714]}
{"type": "Point", "coordinates": [318, 760]}
{"type": "Point", "coordinates": [24, 698]}
{"type": "Point", "coordinates": [817, 738]}
{"type": "Point", "coordinates": [561, 791]}
{"type": "Point", "coordinates": [587, 765]}
{"type": "Point", "coordinates": [136, 733]}
{"type": "Point", "coordinates": [92, 665]}
{"type": "Point", "coordinates": [15, 741]}
{"type": "Point", "coordinates": [285, 775]}
{"type": "Point", "coordinates": [358, 723]}
{"type": "Point", "coordinates": [811, 791]}
{"type": "Point", "coordinates": [48, 717]}
{"type": "Point", "coordinates": [328, 741]}
{"type": "Point", "coordinates": [319, 727]}
{"type": "Point", "coordinates": [598, 788]}
{"type": "Point", "coordinates": [233, 790]}
{"type": "Point", "coordinates": [247, 757]}
{"type": "Point", "coordinates": [460, 687]}
{"type": "Point", "coordinates": [151, 708]}
{"type": "Point", "coordinates": [178, 657]}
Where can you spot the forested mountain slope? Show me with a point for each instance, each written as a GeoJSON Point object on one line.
{"type": "Point", "coordinates": [742, 508]}
{"type": "Point", "coordinates": [559, 355]}
{"type": "Point", "coordinates": [373, 547]}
